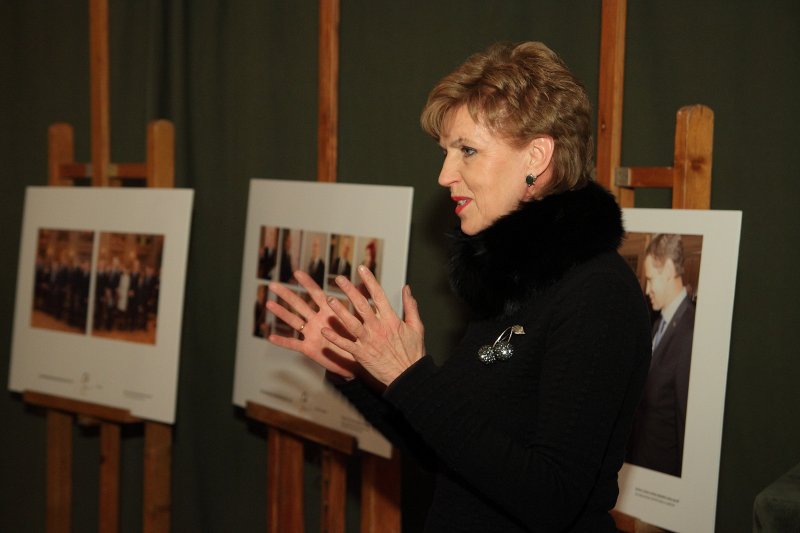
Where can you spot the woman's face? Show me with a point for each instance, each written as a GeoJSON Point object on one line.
{"type": "Point", "coordinates": [485, 175]}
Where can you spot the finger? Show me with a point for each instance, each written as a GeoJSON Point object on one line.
{"type": "Point", "coordinates": [289, 343]}
{"type": "Point", "coordinates": [350, 323]}
{"type": "Point", "coordinates": [311, 286]}
{"type": "Point", "coordinates": [294, 321]}
{"type": "Point", "coordinates": [411, 311]}
{"type": "Point", "coordinates": [359, 301]}
{"type": "Point", "coordinates": [290, 297]}
{"type": "Point", "coordinates": [340, 342]}
{"type": "Point", "coordinates": [376, 292]}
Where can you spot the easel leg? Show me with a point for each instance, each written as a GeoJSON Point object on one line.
{"type": "Point", "coordinates": [334, 483]}
{"type": "Point", "coordinates": [109, 477]}
{"type": "Point", "coordinates": [157, 477]}
{"type": "Point", "coordinates": [59, 471]}
{"type": "Point", "coordinates": [284, 483]}
{"type": "Point", "coordinates": [380, 494]}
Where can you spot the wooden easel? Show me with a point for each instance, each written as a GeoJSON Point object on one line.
{"type": "Point", "coordinates": [689, 177]}
{"type": "Point", "coordinates": [157, 171]}
{"type": "Point", "coordinates": [287, 434]}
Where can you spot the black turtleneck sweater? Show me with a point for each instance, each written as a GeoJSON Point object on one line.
{"type": "Point", "coordinates": [532, 443]}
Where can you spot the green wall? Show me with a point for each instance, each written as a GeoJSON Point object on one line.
{"type": "Point", "coordinates": [239, 81]}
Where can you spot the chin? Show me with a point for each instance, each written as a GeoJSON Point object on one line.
{"type": "Point", "coordinates": [468, 230]}
{"type": "Point", "coordinates": [473, 229]}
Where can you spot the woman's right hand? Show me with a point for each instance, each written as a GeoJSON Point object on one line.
{"type": "Point", "coordinates": [310, 323]}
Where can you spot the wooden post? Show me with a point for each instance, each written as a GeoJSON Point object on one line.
{"type": "Point", "coordinates": [161, 154]}
{"type": "Point", "coordinates": [157, 481]}
{"type": "Point", "coordinates": [109, 477]}
{"type": "Point", "coordinates": [60, 151]}
{"type": "Point", "coordinates": [59, 472]}
{"type": "Point", "coordinates": [694, 138]}
{"type": "Point", "coordinates": [380, 494]}
{"type": "Point", "coordinates": [285, 482]}
{"type": "Point", "coordinates": [334, 491]}
{"type": "Point", "coordinates": [101, 126]}
{"type": "Point", "coordinates": [328, 113]}
{"type": "Point", "coordinates": [612, 74]}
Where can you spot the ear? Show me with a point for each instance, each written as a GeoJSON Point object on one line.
{"type": "Point", "coordinates": [541, 152]}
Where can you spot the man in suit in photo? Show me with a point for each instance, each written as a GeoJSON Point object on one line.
{"type": "Point", "coordinates": [268, 255]}
{"type": "Point", "coordinates": [341, 265]}
{"type": "Point", "coordinates": [316, 266]}
{"type": "Point", "coordinates": [658, 429]}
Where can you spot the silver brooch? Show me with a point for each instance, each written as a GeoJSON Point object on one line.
{"type": "Point", "coordinates": [501, 350]}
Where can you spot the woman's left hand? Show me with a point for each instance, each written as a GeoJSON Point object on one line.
{"type": "Point", "coordinates": [384, 344]}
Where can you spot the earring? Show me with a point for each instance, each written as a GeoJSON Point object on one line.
{"type": "Point", "coordinates": [530, 179]}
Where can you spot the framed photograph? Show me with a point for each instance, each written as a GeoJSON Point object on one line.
{"type": "Point", "coordinates": [324, 229]}
{"type": "Point", "coordinates": [100, 296]}
{"type": "Point", "coordinates": [686, 264]}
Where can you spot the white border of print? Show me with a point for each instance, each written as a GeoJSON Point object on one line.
{"type": "Point", "coordinates": [688, 504]}
{"type": "Point", "coordinates": [282, 379]}
{"type": "Point", "coordinates": [135, 376]}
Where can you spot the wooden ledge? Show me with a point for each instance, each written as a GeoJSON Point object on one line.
{"type": "Point", "coordinates": [93, 410]}
{"type": "Point", "coordinates": [305, 429]}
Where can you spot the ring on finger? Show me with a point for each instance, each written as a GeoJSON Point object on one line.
{"type": "Point", "coordinates": [300, 329]}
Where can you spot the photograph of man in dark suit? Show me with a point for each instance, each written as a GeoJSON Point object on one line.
{"type": "Point", "coordinates": [268, 252]}
{"type": "Point", "coordinates": [341, 264]}
{"type": "Point", "coordinates": [658, 430]}
{"type": "Point", "coordinates": [316, 265]}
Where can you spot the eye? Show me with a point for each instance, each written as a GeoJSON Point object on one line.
{"type": "Point", "coordinates": [468, 151]}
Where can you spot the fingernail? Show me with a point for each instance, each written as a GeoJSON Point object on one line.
{"type": "Point", "coordinates": [362, 268]}
{"type": "Point", "coordinates": [330, 299]}
{"type": "Point", "coordinates": [340, 280]}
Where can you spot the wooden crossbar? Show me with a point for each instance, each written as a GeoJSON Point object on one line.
{"type": "Point", "coordinates": [157, 171]}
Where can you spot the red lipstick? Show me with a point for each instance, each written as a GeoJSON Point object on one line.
{"type": "Point", "coordinates": [461, 202]}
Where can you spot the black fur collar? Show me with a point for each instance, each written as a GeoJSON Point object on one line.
{"type": "Point", "coordinates": [498, 269]}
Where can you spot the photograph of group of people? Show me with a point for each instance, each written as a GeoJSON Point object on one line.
{"type": "Point", "coordinates": [116, 297]}
{"type": "Point", "coordinates": [283, 251]}
{"type": "Point", "coordinates": [62, 279]}
{"type": "Point", "coordinates": [668, 268]}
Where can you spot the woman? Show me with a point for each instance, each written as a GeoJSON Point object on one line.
{"type": "Point", "coordinates": [527, 420]}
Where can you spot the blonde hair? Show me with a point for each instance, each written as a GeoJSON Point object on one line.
{"type": "Point", "coordinates": [519, 92]}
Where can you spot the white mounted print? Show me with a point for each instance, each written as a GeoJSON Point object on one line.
{"type": "Point", "coordinates": [325, 230]}
{"type": "Point", "coordinates": [686, 264]}
{"type": "Point", "coordinates": [100, 296]}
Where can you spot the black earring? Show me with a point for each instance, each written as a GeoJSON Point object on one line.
{"type": "Point", "coordinates": [530, 179]}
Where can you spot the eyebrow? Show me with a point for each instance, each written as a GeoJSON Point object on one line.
{"type": "Point", "coordinates": [458, 142]}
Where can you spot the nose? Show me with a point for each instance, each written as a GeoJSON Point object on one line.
{"type": "Point", "coordinates": [449, 173]}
